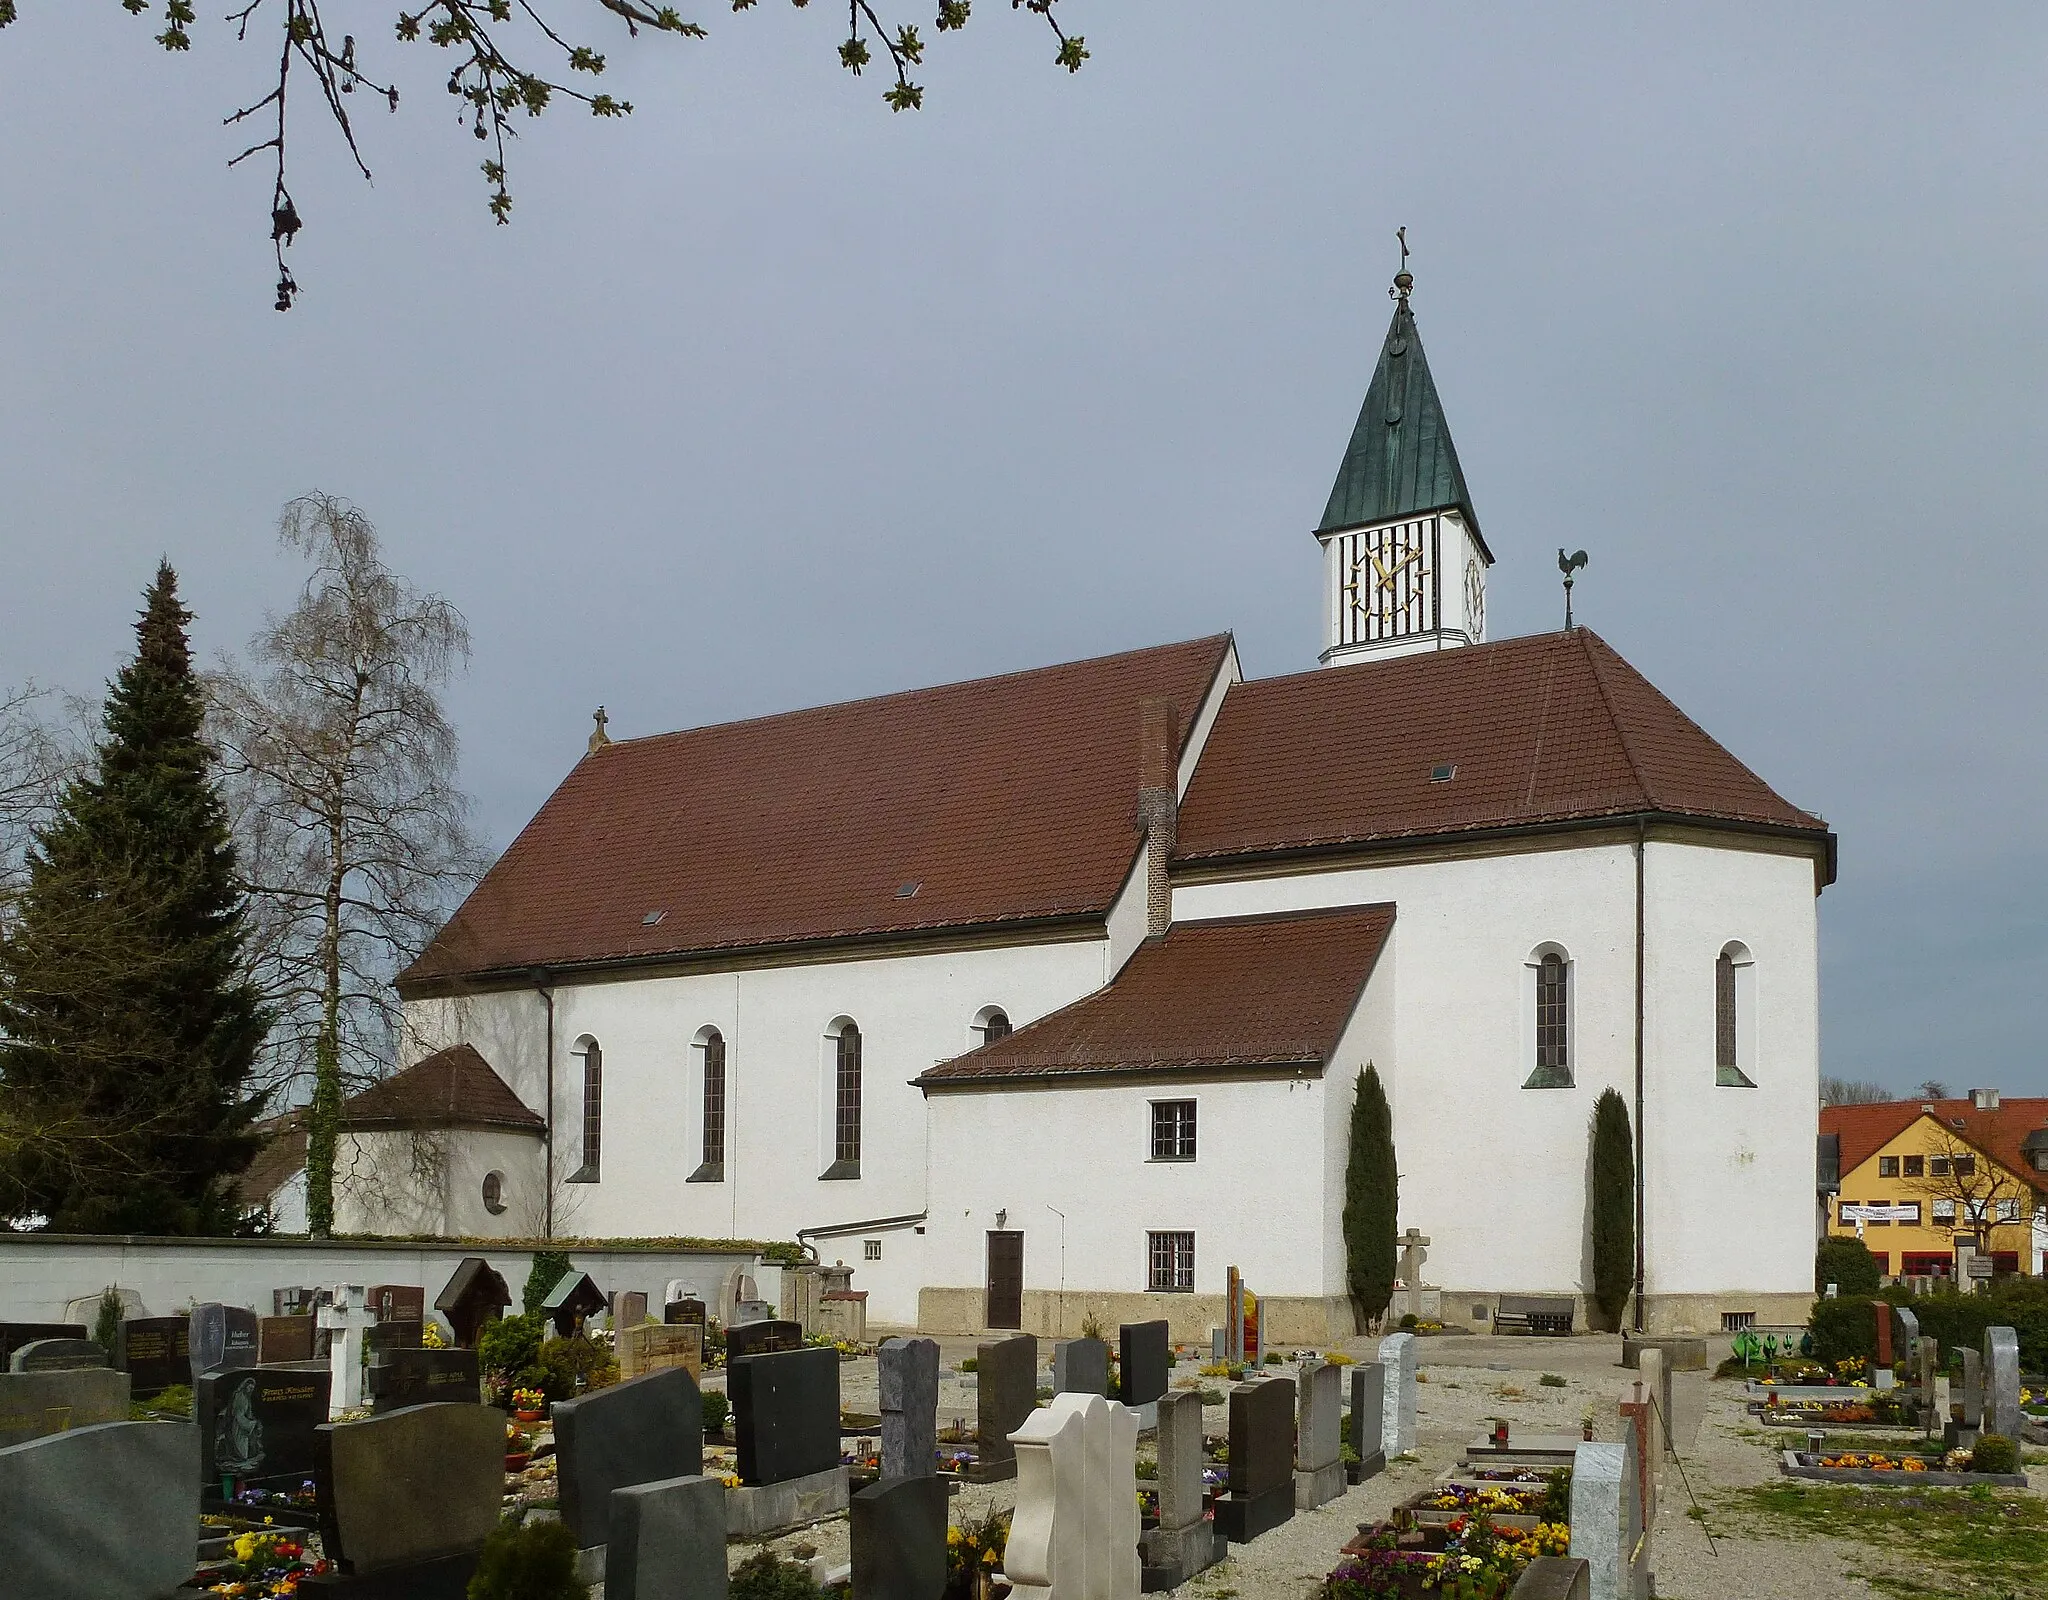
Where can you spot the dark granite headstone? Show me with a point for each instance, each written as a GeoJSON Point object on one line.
{"type": "Point", "coordinates": [758, 1338]}
{"type": "Point", "coordinates": [223, 1339]}
{"type": "Point", "coordinates": [1368, 1399]}
{"type": "Point", "coordinates": [413, 1376]}
{"type": "Point", "coordinates": [907, 1374]}
{"type": "Point", "coordinates": [57, 1355]}
{"type": "Point", "coordinates": [475, 1295]}
{"type": "Point", "coordinates": [1145, 1362]}
{"type": "Point", "coordinates": [33, 1404]}
{"type": "Point", "coordinates": [409, 1488]}
{"type": "Point", "coordinates": [13, 1335]}
{"type": "Point", "coordinates": [1080, 1366]}
{"type": "Point", "coordinates": [572, 1301]}
{"type": "Point", "coordinates": [785, 1414]}
{"type": "Point", "coordinates": [282, 1339]}
{"type": "Point", "coordinates": [1006, 1392]}
{"type": "Point", "coordinates": [400, 1335]}
{"type": "Point", "coordinates": [398, 1302]}
{"type": "Point", "coordinates": [640, 1431]}
{"type": "Point", "coordinates": [156, 1353]}
{"type": "Point", "coordinates": [899, 1539]}
{"type": "Point", "coordinates": [667, 1541]}
{"type": "Point", "coordinates": [1261, 1493]}
{"type": "Point", "coordinates": [686, 1309]}
{"type": "Point", "coordinates": [106, 1512]}
{"type": "Point", "coordinates": [257, 1425]}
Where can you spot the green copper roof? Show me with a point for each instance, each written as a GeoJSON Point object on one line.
{"type": "Point", "coordinates": [1400, 462]}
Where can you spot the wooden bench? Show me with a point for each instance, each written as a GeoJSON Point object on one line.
{"type": "Point", "coordinates": [1533, 1313]}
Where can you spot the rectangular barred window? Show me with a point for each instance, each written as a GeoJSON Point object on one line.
{"type": "Point", "coordinates": [1173, 1130]}
{"type": "Point", "coordinates": [1172, 1258]}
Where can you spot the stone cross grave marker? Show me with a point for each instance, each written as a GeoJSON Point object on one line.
{"type": "Point", "coordinates": [34, 1404]}
{"type": "Point", "coordinates": [1080, 1366]}
{"type": "Point", "coordinates": [346, 1322]}
{"type": "Point", "coordinates": [898, 1529]}
{"type": "Point", "coordinates": [1368, 1398]}
{"type": "Point", "coordinates": [57, 1355]}
{"type": "Point", "coordinates": [473, 1296]}
{"type": "Point", "coordinates": [908, 1374]}
{"type": "Point", "coordinates": [668, 1541]}
{"type": "Point", "coordinates": [1261, 1493]}
{"type": "Point", "coordinates": [1185, 1542]}
{"type": "Point", "coordinates": [645, 1430]}
{"type": "Point", "coordinates": [1397, 1423]}
{"type": "Point", "coordinates": [2002, 1381]}
{"type": "Point", "coordinates": [1414, 1252]}
{"type": "Point", "coordinates": [409, 1489]}
{"type": "Point", "coordinates": [1318, 1442]}
{"type": "Point", "coordinates": [257, 1427]}
{"type": "Point", "coordinates": [1075, 1530]}
{"type": "Point", "coordinates": [156, 1353]}
{"type": "Point", "coordinates": [1006, 1392]}
{"type": "Point", "coordinates": [1144, 1366]}
{"type": "Point", "coordinates": [785, 1414]}
{"type": "Point", "coordinates": [106, 1511]}
{"type": "Point", "coordinates": [221, 1339]}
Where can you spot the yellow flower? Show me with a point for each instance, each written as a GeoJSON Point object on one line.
{"type": "Point", "coordinates": [989, 1558]}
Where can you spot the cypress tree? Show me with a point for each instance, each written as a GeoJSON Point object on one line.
{"type": "Point", "coordinates": [130, 1024]}
{"type": "Point", "coordinates": [1613, 1206]}
{"type": "Point", "coordinates": [1371, 1201]}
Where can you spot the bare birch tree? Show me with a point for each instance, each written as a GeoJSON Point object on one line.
{"type": "Point", "coordinates": [41, 747]}
{"type": "Point", "coordinates": [353, 830]}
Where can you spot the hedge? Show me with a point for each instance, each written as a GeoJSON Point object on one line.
{"type": "Point", "coordinates": [1848, 1327]}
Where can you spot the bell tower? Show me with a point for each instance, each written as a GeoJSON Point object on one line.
{"type": "Point", "coordinates": [1404, 563]}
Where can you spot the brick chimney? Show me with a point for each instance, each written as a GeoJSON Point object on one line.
{"type": "Point", "coordinates": [1158, 806]}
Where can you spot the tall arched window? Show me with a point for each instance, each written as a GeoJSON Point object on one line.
{"type": "Point", "coordinates": [845, 1103]}
{"type": "Point", "coordinates": [1553, 1019]}
{"type": "Point", "coordinates": [711, 1046]}
{"type": "Point", "coordinates": [593, 1111]}
{"type": "Point", "coordinates": [1734, 1007]}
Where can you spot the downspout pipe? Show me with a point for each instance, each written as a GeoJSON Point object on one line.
{"type": "Point", "coordinates": [543, 984]}
{"type": "Point", "coordinates": [1642, 841]}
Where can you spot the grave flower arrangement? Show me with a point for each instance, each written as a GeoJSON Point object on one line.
{"type": "Point", "coordinates": [265, 1565]}
{"type": "Point", "coordinates": [1874, 1462]}
{"type": "Point", "coordinates": [300, 1498]}
{"type": "Point", "coordinates": [1467, 1497]}
{"type": "Point", "coordinates": [973, 1553]}
{"type": "Point", "coordinates": [527, 1404]}
{"type": "Point", "coordinates": [1379, 1573]}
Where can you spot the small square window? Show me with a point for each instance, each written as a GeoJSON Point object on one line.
{"type": "Point", "coordinates": [1887, 1166]}
{"type": "Point", "coordinates": [1173, 1130]}
{"type": "Point", "coordinates": [2008, 1211]}
{"type": "Point", "coordinates": [1965, 1166]}
{"type": "Point", "coordinates": [1938, 1167]}
{"type": "Point", "coordinates": [1172, 1262]}
{"type": "Point", "coordinates": [1945, 1212]}
{"type": "Point", "coordinates": [871, 1250]}
{"type": "Point", "coordinates": [1916, 1167]}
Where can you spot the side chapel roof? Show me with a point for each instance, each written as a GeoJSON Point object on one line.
{"type": "Point", "coordinates": [455, 1087]}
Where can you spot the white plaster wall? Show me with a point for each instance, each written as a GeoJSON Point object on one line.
{"type": "Point", "coordinates": [517, 1156]}
{"type": "Point", "coordinates": [1368, 1038]}
{"type": "Point", "coordinates": [1253, 1196]}
{"type": "Point", "coordinates": [288, 1205]}
{"type": "Point", "coordinates": [1730, 1171]}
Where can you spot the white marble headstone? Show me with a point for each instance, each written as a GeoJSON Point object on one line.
{"type": "Point", "coordinates": [2002, 1382]}
{"type": "Point", "coordinates": [1074, 1535]}
{"type": "Point", "coordinates": [1397, 1414]}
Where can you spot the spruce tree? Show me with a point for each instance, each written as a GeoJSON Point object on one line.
{"type": "Point", "coordinates": [1613, 1206]}
{"type": "Point", "coordinates": [128, 1024]}
{"type": "Point", "coordinates": [1371, 1201]}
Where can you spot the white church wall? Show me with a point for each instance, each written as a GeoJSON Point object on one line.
{"type": "Point", "coordinates": [1368, 1038]}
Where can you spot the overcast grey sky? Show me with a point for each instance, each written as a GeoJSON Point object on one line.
{"type": "Point", "coordinates": [770, 397]}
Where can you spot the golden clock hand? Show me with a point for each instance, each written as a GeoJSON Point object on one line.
{"type": "Point", "coordinates": [1388, 574]}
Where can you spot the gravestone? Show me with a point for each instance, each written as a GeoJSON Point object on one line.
{"type": "Point", "coordinates": [57, 1355]}
{"type": "Point", "coordinates": [1607, 1522]}
{"type": "Point", "coordinates": [758, 1338]}
{"type": "Point", "coordinates": [284, 1339]}
{"type": "Point", "coordinates": [1882, 1314]}
{"type": "Point", "coordinates": [398, 1302]}
{"type": "Point", "coordinates": [13, 1335]}
{"type": "Point", "coordinates": [1080, 1366]}
{"type": "Point", "coordinates": [1656, 1390]}
{"type": "Point", "coordinates": [1908, 1331]}
{"type": "Point", "coordinates": [415, 1376]}
{"type": "Point", "coordinates": [1185, 1542]}
{"type": "Point", "coordinates": [346, 1320]}
{"type": "Point", "coordinates": [646, 1430]}
{"type": "Point", "coordinates": [106, 1511]}
{"type": "Point", "coordinates": [33, 1404]}
{"type": "Point", "coordinates": [908, 1377]}
{"type": "Point", "coordinates": [630, 1309]}
{"type": "Point", "coordinates": [668, 1541]}
{"type": "Point", "coordinates": [297, 1302]}
{"type": "Point", "coordinates": [899, 1539]}
{"type": "Point", "coordinates": [1368, 1390]}
{"type": "Point", "coordinates": [409, 1490]}
{"type": "Point", "coordinates": [1414, 1253]}
{"type": "Point", "coordinates": [1397, 1418]}
{"type": "Point", "coordinates": [222, 1338]}
{"type": "Point", "coordinates": [473, 1296]}
{"type": "Point", "coordinates": [1261, 1493]}
{"type": "Point", "coordinates": [1145, 1363]}
{"type": "Point", "coordinates": [1006, 1392]}
{"type": "Point", "coordinates": [257, 1427]}
{"type": "Point", "coordinates": [1318, 1442]}
{"type": "Point", "coordinates": [156, 1353]}
{"type": "Point", "coordinates": [1971, 1400]}
{"type": "Point", "coordinates": [687, 1309]}
{"type": "Point", "coordinates": [1926, 1360]}
{"type": "Point", "coordinates": [645, 1347]}
{"type": "Point", "coordinates": [573, 1300]}
{"type": "Point", "coordinates": [379, 1337]}
{"type": "Point", "coordinates": [785, 1414]}
{"type": "Point", "coordinates": [1555, 1578]}
{"type": "Point", "coordinates": [1075, 1529]}
{"type": "Point", "coordinates": [2002, 1382]}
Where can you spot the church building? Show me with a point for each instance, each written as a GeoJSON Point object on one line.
{"type": "Point", "coordinates": [1047, 994]}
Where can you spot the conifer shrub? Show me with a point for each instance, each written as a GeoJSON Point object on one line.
{"type": "Point", "coordinates": [1613, 1207]}
{"type": "Point", "coordinates": [1847, 1264]}
{"type": "Point", "coordinates": [549, 1267]}
{"type": "Point", "coordinates": [1371, 1201]}
{"type": "Point", "coordinates": [1994, 1452]}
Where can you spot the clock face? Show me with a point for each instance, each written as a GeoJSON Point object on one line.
{"type": "Point", "coordinates": [1387, 587]}
{"type": "Point", "coordinates": [1475, 598]}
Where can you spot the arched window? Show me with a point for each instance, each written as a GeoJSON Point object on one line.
{"type": "Point", "coordinates": [1553, 1018]}
{"type": "Point", "coordinates": [990, 1024]}
{"type": "Point", "coordinates": [845, 1103]}
{"type": "Point", "coordinates": [1734, 1017]}
{"type": "Point", "coordinates": [593, 1110]}
{"type": "Point", "coordinates": [711, 1046]}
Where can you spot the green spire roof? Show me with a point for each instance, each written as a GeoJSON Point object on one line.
{"type": "Point", "coordinates": [1400, 462]}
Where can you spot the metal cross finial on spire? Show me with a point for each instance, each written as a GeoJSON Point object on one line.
{"type": "Point", "coordinates": [598, 737]}
{"type": "Point", "coordinates": [1568, 564]}
{"type": "Point", "coordinates": [1404, 280]}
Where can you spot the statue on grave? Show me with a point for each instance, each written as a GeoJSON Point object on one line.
{"type": "Point", "coordinates": [237, 1434]}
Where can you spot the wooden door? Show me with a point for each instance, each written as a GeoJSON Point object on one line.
{"type": "Point", "coordinates": [1005, 1280]}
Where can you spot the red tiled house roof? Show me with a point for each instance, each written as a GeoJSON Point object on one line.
{"type": "Point", "coordinates": [2004, 1134]}
{"type": "Point", "coordinates": [1242, 992]}
{"type": "Point", "coordinates": [1005, 800]}
{"type": "Point", "coordinates": [1542, 730]}
{"type": "Point", "coordinates": [453, 1088]}
{"type": "Point", "coordinates": [280, 1158]}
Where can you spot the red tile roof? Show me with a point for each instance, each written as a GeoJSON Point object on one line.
{"type": "Point", "coordinates": [1241, 992]}
{"type": "Point", "coordinates": [280, 1158]}
{"type": "Point", "coordinates": [1550, 728]}
{"type": "Point", "coordinates": [451, 1088]}
{"type": "Point", "coordinates": [1866, 1129]}
{"type": "Point", "coordinates": [1002, 800]}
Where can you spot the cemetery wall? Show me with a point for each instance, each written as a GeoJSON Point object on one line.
{"type": "Point", "coordinates": [58, 1278]}
{"type": "Point", "coordinates": [1497, 1171]}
